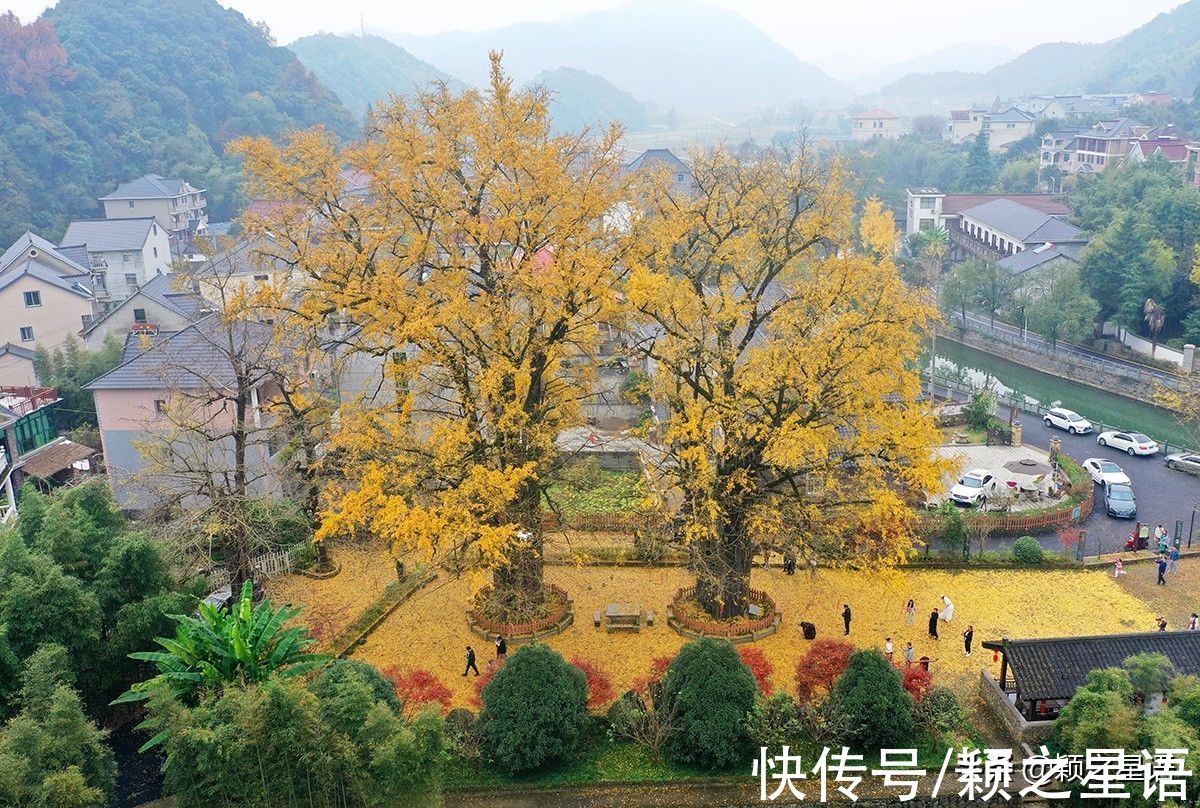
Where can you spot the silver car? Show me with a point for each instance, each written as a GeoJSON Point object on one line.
{"type": "Point", "coordinates": [1184, 462]}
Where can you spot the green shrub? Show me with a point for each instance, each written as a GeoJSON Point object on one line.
{"type": "Point", "coordinates": [954, 526]}
{"type": "Point", "coordinates": [1096, 720]}
{"type": "Point", "coordinates": [1149, 673]}
{"type": "Point", "coordinates": [775, 721]}
{"type": "Point", "coordinates": [880, 710]}
{"type": "Point", "coordinates": [940, 712]}
{"type": "Point", "coordinates": [382, 688]}
{"type": "Point", "coordinates": [710, 691]}
{"type": "Point", "coordinates": [981, 409]}
{"type": "Point", "coordinates": [534, 710]}
{"type": "Point", "coordinates": [1027, 550]}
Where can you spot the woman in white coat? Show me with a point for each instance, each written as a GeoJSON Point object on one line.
{"type": "Point", "coordinates": [947, 609]}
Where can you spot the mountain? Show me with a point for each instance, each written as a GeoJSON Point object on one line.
{"type": "Point", "coordinates": [100, 91]}
{"type": "Point", "coordinates": [681, 53]}
{"type": "Point", "coordinates": [580, 99]}
{"type": "Point", "coordinates": [362, 70]}
{"type": "Point", "coordinates": [973, 57]}
{"type": "Point", "coordinates": [1163, 54]}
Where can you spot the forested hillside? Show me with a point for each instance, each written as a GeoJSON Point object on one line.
{"type": "Point", "coordinates": [581, 99]}
{"type": "Point", "coordinates": [361, 70]}
{"type": "Point", "coordinates": [97, 91]}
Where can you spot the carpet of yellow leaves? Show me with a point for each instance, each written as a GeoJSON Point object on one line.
{"type": "Point", "coordinates": [1175, 601]}
{"type": "Point", "coordinates": [430, 631]}
{"type": "Point", "coordinates": [332, 604]}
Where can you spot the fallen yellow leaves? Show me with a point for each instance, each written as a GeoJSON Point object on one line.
{"type": "Point", "coordinates": [430, 631]}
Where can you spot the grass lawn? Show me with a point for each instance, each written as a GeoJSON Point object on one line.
{"type": "Point", "coordinates": [1175, 601]}
{"type": "Point", "coordinates": [588, 489]}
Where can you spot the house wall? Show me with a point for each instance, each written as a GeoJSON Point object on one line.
{"type": "Point", "coordinates": [120, 322]}
{"type": "Point", "coordinates": [153, 259]}
{"type": "Point", "coordinates": [960, 131]}
{"type": "Point", "coordinates": [1020, 731]}
{"type": "Point", "coordinates": [1003, 135]}
{"type": "Point", "coordinates": [873, 128]}
{"type": "Point", "coordinates": [16, 371]}
{"type": "Point", "coordinates": [59, 317]}
{"type": "Point", "coordinates": [160, 209]}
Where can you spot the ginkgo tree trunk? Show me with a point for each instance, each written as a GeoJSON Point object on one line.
{"type": "Point", "coordinates": [783, 346]}
{"type": "Point", "coordinates": [480, 265]}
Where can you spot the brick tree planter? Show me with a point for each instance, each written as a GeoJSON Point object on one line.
{"type": "Point", "coordinates": [531, 631]}
{"type": "Point", "coordinates": [746, 630]}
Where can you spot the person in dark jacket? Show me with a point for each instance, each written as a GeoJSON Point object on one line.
{"type": "Point", "coordinates": [933, 624]}
{"type": "Point", "coordinates": [846, 616]}
{"type": "Point", "coordinates": [501, 648]}
{"type": "Point", "coordinates": [968, 635]}
{"type": "Point", "coordinates": [471, 666]}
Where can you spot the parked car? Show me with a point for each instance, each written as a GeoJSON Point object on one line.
{"type": "Point", "coordinates": [1184, 462]}
{"type": "Point", "coordinates": [1069, 420]}
{"type": "Point", "coordinates": [1132, 443]}
{"type": "Point", "coordinates": [973, 488]}
{"type": "Point", "coordinates": [1119, 501]}
{"type": "Point", "coordinates": [1105, 471]}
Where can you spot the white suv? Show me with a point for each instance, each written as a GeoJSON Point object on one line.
{"type": "Point", "coordinates": [974, 487]}
{"type": "Point", "coordinates": [1069, 420]}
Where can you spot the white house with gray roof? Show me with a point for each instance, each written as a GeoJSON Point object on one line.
{"type": "Point", "coordinates": [165, 303]}
{"type": "Point", "coordinates": [1002, 228]}
{"type": "Point", "coordinates": [124, 253]}
{"type": "Point", "coordinates": [45, 298]}
{"type": "Point", "coordinates": [179, 208]}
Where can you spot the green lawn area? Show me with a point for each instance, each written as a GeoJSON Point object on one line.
{"type": "Point", "coordinates": [585, 488]}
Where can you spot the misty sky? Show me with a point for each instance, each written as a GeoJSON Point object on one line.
{"type": "Point", "coordinates": [844, 38]}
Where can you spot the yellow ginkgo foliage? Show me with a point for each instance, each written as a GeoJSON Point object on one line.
{"type": "Point", "coordinates": [473, 252]}
{"type": "Point", "coordinates": [785, 355]}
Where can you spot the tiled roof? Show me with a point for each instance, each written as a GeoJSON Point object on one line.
{"type": "Point", "coordinates": [163, 290]}
{"type": "Point", "coordinates": [1021, 222]}
{"type": "Point", "coordinates": [57, 455]}
{"type": "Point", "coordinates": [31, 241]}
{"type": "Point", "coordinates": [1011, 115]}
{"type": "Point", "coordinates": [877, 114]}
{"type": "Point", "coordinates": [109, 235]}
{"type": "Point", "coordinates": [16, 350]}
{"type": "Point", "coordinates": [653, 158]}
{"type": "Point", "coordinates": [190, 359]}
{"type": "Point", "coordinates": [1054, 668]}
{"type": "Point", "coordinates": [149, 186]}
{"type": "Point", "coordinates": [35, 269]}
{"type": "Point", "coordinates": [953, 204]}
{"type": "Point", "coordinates": [1032, 258]}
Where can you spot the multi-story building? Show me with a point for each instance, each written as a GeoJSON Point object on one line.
{"type": "Point", "coordinates": [163, 303]}
{"type": "Point", "coordinates": [965, 124]}
{"type": "Point", "coordinates": [45, 297]}
{"type": "Point", "coordinates": [1109, 143]}
{"type": "Point", "coordinates": [877, 124]}
{"type": "Point", "coordinates": [124, 253]}
{"type": "Point", "coordinates": [1007, 127]}
{"type": "Point", "coordinates": [1003, 227]}
{"type": "Point", "coordinates": [930, 208]}
{"type": "Point", "coordinates": [30, 446]}
{"type": "Point", "coordinates": [179, 208]}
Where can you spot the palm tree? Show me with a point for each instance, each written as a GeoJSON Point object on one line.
{"type": "Point", "coordinates": [1156, 317]}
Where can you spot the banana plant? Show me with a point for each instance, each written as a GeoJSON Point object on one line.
{"type": "Point", "coordinates": [217, 648]}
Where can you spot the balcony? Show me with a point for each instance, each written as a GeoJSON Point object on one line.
{"type": "Point", "coordinates": [24, 400]}
{"type": "Point", "coordinates": [974, 246]}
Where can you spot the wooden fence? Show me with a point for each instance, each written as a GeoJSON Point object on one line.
{"type": "Point", "coordinates": [268, 565]}
{"type": "Point", "coordinates": [931, 526]}
{"type": "Point", "coordinates": [713, 628]}
{"type": "Point", "coordinates": [598, 522]}
{"type": "Point", "coordinates": [521, 629]}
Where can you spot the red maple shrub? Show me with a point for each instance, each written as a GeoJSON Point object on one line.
{"type": "Point", "coordinates": [418, 687]}
{"type": "Point", "coordinates": [820, 667]}
{"type": "Point", "coordinates": [600, 689]}
{"type": "Point", "coordinates": [757, 662]}
{"type": "Point", "coordinates": [917, 681]}
{"type": "Point", "coordinates": [658, 669]}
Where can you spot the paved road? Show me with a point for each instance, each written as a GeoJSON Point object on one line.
{"type": "Point", "coordinates": [1162, 495]}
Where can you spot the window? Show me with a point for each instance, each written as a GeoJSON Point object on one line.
{"type": "Point", "coordinates": [260, 278]}
{"type": "Point", "coordinates": [87, 319]}
{"type": "Point", "coordinates": [154, 230]}
{"type": "Point", "coordinates": [131, 278]}
{"type": "Point", "coordinates": [26, 333]}
{"type": "Point", "coordinates": [139, 315]}
{"type": "Point", "coordinates": [156, 252]}
{"type": "Point", "coordinates": [131, 203]}
{"type": "Point", "coordinates": [127, 258]}
{"type": "Point", "coordinates": [927, 203]}
{"type": "Point", "coordinates": [160, 406]}
{"type": "Point", "coordinates": [33, 299]}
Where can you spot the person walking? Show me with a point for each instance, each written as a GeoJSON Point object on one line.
{"type": "Point", "coordinates": [947, 608]}
{"type": "Point", "coordinates": [1160, 534]}
{"type": "Point", "coordinates": [846, 616]}
{"type": "Point", "coordinates": [471, 666]}
{"type": "Point", "coordinates": [888, 649]}
{"type": "Point", "coordinates": [789, 563]}
{"type": "Point", "coordinates": [1174, 565]}
{"type": "Point", "coordinates": [1119, 569]}
{"type": "Point", "coordinates": [910, 654]}
{"type": "Point", "coordinates": [968, 635]}
{"type": "Point", "coordinates": [933, 624]}
{"type": "Point", "coordinates": [1162, 570]}
{"type": "Point", "coordinates": [910, 611]}
{"type": "Point", "coordinates": [501, 648]}
{"type": "Point", "coordinates": [1194, 622]}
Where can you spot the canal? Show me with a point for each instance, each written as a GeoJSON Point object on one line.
{"type": "Point", "coordinates": [967, 365]}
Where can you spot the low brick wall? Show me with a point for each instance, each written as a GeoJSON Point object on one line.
{"type": "Point", "coordinates": [1020, 731]}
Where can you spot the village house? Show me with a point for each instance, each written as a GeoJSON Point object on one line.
{"type": "Point", "coordinates": [124, 253]}
{"type": "Point", "coordinates": [30, 447]}
{"type": "Point", "coordinates": [930, 208]}
{"type": "Point", "coordinates": [159, 304]}
{"type": "Point", "coordinates": [1007, 127]}
{"type": "Point", "coordinates": [1004, 227]}
{"type": "Point", "coordinates": [877, 124]}
{"type": "Point", "coordinates": [178, 208]}
{"type": "Point", "coordinates": [46, 297]}
{"type": "Point", "coordinates": [965, 124]}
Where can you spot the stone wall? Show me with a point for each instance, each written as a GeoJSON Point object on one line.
{"type": "Point", "coordinates": [1020, 731]}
